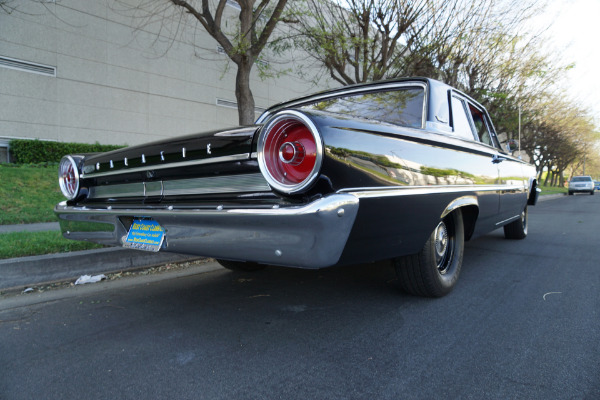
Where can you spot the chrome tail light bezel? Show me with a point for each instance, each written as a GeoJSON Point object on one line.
{"type": "Point", "coordinates": [293, 118]}
{"type": "Point", "coordinates": [68, 177]}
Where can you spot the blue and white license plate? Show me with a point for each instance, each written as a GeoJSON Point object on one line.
{"type": "Point", "coordinates": [145, 234]}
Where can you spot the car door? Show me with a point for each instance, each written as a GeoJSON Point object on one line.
{"type": "Point", "coordinates": [464, 127]}
{"type": "Point", "coordinates": [511, 182]}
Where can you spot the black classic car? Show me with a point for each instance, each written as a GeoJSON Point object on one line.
{"type": "Point", "coordinates": [404, 170]}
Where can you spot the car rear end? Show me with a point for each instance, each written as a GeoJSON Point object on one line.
{"type": "Point", "coordinates": [211, 195]}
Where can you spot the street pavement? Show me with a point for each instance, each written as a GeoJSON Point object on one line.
{"type": "Point", "coordinates": [522, 323]}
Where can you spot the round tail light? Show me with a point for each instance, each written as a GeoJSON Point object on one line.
{"type": "Point", "coordinates": [290, 152]}
{"type": "Point", "coordinates": [68, 177]}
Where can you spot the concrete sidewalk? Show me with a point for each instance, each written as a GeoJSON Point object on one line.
{"type": "Point", "coordinates": [46, 226]}
{"type": "Point", "coordinates": [36, 270]}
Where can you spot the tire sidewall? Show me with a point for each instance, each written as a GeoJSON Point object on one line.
{"type": "Point", "coordinates": [443, 283]}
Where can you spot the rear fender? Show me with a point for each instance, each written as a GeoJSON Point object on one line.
{"type": "Point", "coordinates": [470, 211]}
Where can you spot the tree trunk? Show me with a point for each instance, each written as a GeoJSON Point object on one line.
{"type": "Point", "coordinates": [562, 178]}
{"type": "Point", "coordinates": [243, 94]}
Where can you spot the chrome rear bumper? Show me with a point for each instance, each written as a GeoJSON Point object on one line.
{"type": "Point", "coordinates": [309, 236]}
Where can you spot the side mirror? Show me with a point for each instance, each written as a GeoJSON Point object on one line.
{"type": "Point", "coordinates": [512, 145]}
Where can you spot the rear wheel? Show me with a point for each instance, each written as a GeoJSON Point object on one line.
{"type": "Point", "coordinates": [517, 229]}
{"type": "Point", "coordinates": [241, 265]}
{"type": "Point", "coordinates": [434, 270]}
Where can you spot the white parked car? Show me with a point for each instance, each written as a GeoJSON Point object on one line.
{"type": "Point", "coordinates": [581, 184]}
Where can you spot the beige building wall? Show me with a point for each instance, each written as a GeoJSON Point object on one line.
{"type": "Point", "coordinates": [113, 84]}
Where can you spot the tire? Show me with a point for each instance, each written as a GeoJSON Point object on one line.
{"type": "Point", "coordinates": [434, 270]}
{"type": "Point", "coordinates": [517, 229]}
{"type": "Point", "coordinates": [570, 193]}
{"type": "Point", "coordinates": [592, 192]}
{"type": "Point", "coordinates": [241, 265]}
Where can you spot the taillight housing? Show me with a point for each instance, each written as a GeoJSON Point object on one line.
{"type": "Point", "coordinates": [68, 177]}
{"type": "Point", "coordinates": [290, 152]}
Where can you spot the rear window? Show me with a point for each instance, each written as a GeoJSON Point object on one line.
{"type": "Point", "coordinates": [402, 107]}
{"type": "Point", "coordinates": [581, 179]}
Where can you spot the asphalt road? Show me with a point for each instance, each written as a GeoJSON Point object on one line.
{"type": "Point", "coordinates": [523, 322]}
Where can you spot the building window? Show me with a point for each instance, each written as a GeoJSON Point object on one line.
{"type": "Point", "coordinates": [234, 4]}
{"type": "Point", "coordinates": [233, 104]}
{"type": "Point", "coordinates": [4, 153]}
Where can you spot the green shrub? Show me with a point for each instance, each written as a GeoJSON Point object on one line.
{"type": "Point", "coordinates": [37, 151]}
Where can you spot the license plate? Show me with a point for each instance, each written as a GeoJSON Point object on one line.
{"type": "Point", "coordinates": [145, 234]}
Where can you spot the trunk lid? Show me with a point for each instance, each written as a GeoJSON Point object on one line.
{"type": "Point", "coordinates": [186, 151]}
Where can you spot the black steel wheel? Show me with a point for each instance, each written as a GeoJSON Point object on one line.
{"type": "Point", "coordinates": [434, 271]}
{"type": "Point", "coordinates": [517, 229]}
{"type": "Point", "coordinates": [241, 265]}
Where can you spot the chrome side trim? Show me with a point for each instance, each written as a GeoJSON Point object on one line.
{"type": "Point", "coordinates": [235, 157]}
{"type": "Point", "coordinates": [508, 220]}
{"type": "Point", "coordinates": [116, 191]}
{"type": "Point", "coordinates": [221, 184]}
{"type": "Point", "coordinates": [422, 190]}
{"type": "Point", "coordinates": [460, 202]}
{"type": "Point", "coordinates": [209, 185]}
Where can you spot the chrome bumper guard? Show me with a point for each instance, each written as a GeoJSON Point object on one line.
{"type": "Point", "coordinates": [309, 236]}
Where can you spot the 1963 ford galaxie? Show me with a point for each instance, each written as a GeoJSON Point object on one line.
{"type": "Point", "coordinates": [404, 170]}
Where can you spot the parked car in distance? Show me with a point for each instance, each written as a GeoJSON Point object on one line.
{"type": "Point", "coordinates": [579, 184]}
{"type": "Point", "coordinates": [597, 185]}
{"type": "Point", "coordinates": [406, 170]}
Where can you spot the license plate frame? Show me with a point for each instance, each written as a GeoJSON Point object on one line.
{"type": "Point", "coordinates": [145, 234]}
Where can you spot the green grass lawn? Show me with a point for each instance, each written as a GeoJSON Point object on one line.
{"type": "Point", "coordinates": [28, 194]}
{"type": "Point", "coordinates": [553, 190]}
{"type": "Point", "coordinates": [22, 244]}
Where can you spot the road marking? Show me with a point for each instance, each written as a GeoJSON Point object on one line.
{"type": "Point", "coordinates": [551, 293]}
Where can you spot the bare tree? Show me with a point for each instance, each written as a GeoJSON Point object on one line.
{"type": "Point", "coordinates": [243, 44]}
{"type": "Point", "coordinates": [360, 40]}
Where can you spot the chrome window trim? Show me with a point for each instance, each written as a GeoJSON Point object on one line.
{"type": "Point", "coordinates": [235, 157]}
{"type": "Point", "coordinates": [194, 186]}
{"type": "Point", "coordinates": [374, 88]}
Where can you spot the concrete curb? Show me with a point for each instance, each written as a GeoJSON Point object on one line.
{"type": "Point", "coordinates": [36, 270]}
{"type": "Point", "coordinates": [44, 226]}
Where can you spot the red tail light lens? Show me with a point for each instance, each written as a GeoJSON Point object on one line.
{"type": "Point", "coordinates": [68, 177]}
{"type": "Point", "coordinates": [290, 152]}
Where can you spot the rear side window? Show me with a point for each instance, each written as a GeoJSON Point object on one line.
{"type": "Point", "coordinates": [460, 121]}
{"type": "Point", "coordinates": [481, 128]}
{"type": "Point", "coordinates": [402, 107]}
